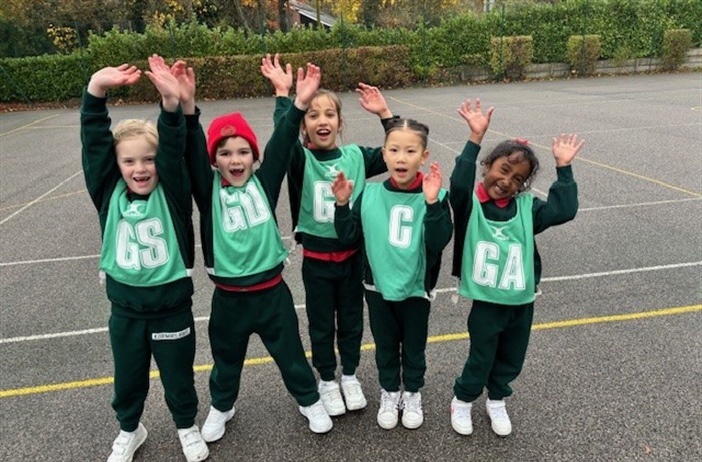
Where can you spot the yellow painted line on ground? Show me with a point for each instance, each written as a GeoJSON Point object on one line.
{"type": "Point", "coordinates": [23, 127]}
{"type": "Point", "coordinates": [366, 347]}
{"type": "Point", "coordinates": [548, 148]}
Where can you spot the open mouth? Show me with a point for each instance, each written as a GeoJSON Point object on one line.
{"type": "Point", "coordinates": [142, 180]}
{"type": "Point", "coordinates": [236, 172]}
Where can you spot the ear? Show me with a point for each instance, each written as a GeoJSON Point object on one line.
{"type": "Point", "coordinates": [425, 156]}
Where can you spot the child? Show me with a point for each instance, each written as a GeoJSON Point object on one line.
{"type": "Point", "coordinates": [244, 256]}
{"type": "Point", "coordinates": [331, 270]}
{"type": "Point", "coordinates": [404, 223]}
{"type": "Point", "coordinates": [496, 259]}
{"type": "Point", "coordinates": [137, 182]}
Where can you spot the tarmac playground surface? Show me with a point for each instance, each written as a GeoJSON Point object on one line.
{"type": "Point", "coordinates": [614, 368]}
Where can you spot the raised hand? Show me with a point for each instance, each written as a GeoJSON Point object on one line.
{"type": "Point", "coordinates": [307, 85]}
{"type": "Point", "coordinates": [186, 81]}
{"type": "Point", "coordinates": [477, 121]}
{"type": "Point", "coordinates": [166, 83]}
{"type": "Point", "coordinates": [342, 189]}
{"type": "Point", "coordinates": [565, 148]}
{"type": "Point", "coordinates": [431, 184]}
{"type": "Point", "coordinates": [373, 101]}
{"type": "Point", "coordinates": [112, 77]}
{"type": "Point", "coordinates": [281, 79]}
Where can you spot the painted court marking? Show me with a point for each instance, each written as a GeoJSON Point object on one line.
{"type": "Point", "coordinates": [99, 330]}
{"type": "Point", "coordinates": [366, 347]}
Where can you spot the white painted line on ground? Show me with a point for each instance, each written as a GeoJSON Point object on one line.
{"type": "Point", "coordinates": [38, 199]}
{"type": "Point", "coordinates": [444, 290]}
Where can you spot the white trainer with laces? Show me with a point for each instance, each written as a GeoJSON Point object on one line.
{"type": "Point", "coordinates": [330, 394]}
{"type": "Point", "coordinates": [497, 411]}
{"type": "Point", "coordinates": [412, 414]}
{"type": "Point", "coordinates": [126, 444]}
{"type": "Point", "coordinates": [353, 393]}
{"type": "Point", "coordinates": [389, 409]}
{"type": "Point", "coordinates": [214, 426]}
{"type": "Point", "coordinates": [461, 420]}
{"type": "Point", "coordinates": [318, 417]}
{"type": "Point", "coordinates": [194, 447]}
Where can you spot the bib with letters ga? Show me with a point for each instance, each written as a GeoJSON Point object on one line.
{"type": "Point", "coordinates": [498, 256]}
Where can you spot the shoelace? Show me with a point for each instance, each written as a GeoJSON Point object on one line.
{"type": "Point", "coordinates": [387, 402]}
{"type": "Point", "coordinates": [412, 404]}
{"type": "Point", "coordinates": [461, 412]}
{"type": "Point", "coordinates": [499, 412]}
{"type": "Point", "coordinates": [316, 412]}
{"type": "Point", "coordinates": [352, 388]}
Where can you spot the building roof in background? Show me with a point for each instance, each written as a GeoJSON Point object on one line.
{"type": "Point", "coordinates": [311, 12]}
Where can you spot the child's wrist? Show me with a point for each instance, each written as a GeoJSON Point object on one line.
{"type": "Point", "coordinates": [385, 114]}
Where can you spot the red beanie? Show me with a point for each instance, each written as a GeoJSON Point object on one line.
{"type": "Point", "coordinates": [226, 126]}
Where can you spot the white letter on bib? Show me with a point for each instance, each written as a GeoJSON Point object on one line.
{"type": "Point", "coordinates": [400, 236]}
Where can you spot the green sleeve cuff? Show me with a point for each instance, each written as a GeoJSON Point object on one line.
{"type": "Point", "coordinates": [565, 173]}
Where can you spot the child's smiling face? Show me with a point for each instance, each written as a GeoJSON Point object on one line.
{"type": "Point", "coordinates": [505, 176]}
{"type": "Point", "coordinates": [321, 123]}
{"type": "Point", "coordinates": [136, 159]}
{"type": "Point", "coordinates": [234, 158]}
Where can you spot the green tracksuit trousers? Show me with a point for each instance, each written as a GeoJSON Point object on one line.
{"type": "Point", "coordinates": [171, 341]}
{"type": "Point", "coordinates": [400, 332]}
{"type": "Point", "coordinates": [334, 304]}
{"type": "Point", "coordinates": [270, 313]}
{"type": "Point", "coordinates": [499, 336]}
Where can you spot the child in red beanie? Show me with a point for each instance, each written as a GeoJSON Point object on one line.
{"type": "Point", "coordinates": [244, 253]}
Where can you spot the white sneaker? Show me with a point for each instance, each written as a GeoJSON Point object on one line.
{"type": "Point", "coordinates": [318, 417]}
{"type": "Point", "coordinates": [412, 414]}
{"type": "Point", "coordinates": [353, 393]}
{"type": "Point", "coordinates": [126, 444]}
{"type": "Point", "coordinates": [330, 394]}
{"type": "Point", "coordinates": [194, 447]}
{"type": "Point", "coordinates": [461, 420]}
{"type": "Point", "coordinates": [389, 409]}
{"type": "Point", "coordinates": [497, 411]}
{"type": "Point", "coordinates": [214, 426]}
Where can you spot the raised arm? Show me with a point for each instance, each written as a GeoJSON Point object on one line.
{"type": "Point", "coordinates": [282, 81]}
{"type": "Point", "coordinates": [98, 155]}
{"type": "Point", "coordinates": [561, 205]}
{"type": "Point", "coordinates": [277, 154]}
{"type": "Point", "coordinates": [373, 101]}
{"type": "Point", "coordinates": [197, 161]}
{"type": "Point", "coordinates": [171, 129]}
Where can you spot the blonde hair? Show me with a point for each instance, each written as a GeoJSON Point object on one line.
{"type": "Point", "coordinates": [136, 128]}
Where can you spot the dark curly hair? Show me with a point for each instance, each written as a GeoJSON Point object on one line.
{"type": "Point", "coordinates": [515, 151]}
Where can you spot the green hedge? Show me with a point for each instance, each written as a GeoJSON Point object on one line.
{"type": "Point", "coordinates": [627, 28]}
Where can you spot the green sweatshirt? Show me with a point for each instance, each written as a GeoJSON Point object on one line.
{"type": "Point", "coordinates": [373, 164]}
{"type": "Point", "coordinates": [560, 206]}
{"type": "Point", "coordinates": [437, 231]}
{"type": "Point", "coordinates": [276, 159]}
{"type": "Point", "coordinates": [101, 176]}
